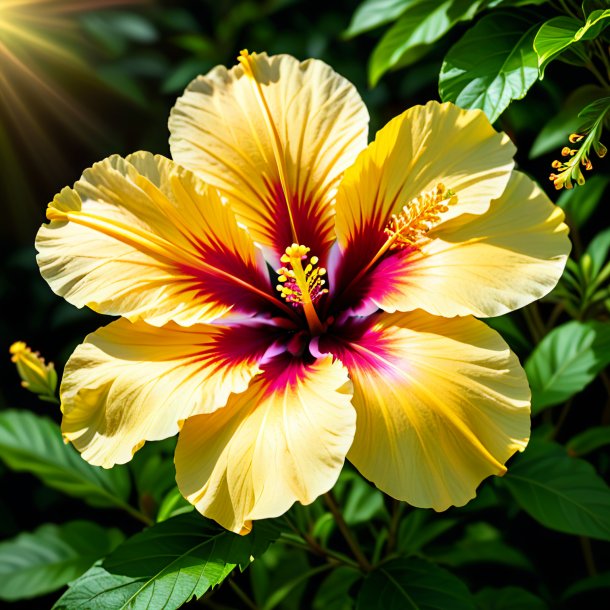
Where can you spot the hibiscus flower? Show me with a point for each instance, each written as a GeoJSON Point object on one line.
{"type": "Point", "coordinates": [289, 296]}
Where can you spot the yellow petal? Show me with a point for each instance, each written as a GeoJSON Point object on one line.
{"type": "Point", "coordinates": [144, 238]}
{"type": "Point", "coordinates": [426, 146]}
{"type": "Point", "coordinates": [441, 404]}
{"type": "Point", "coordinates": [412, 154]}
{"type": "Point", "coordinates": [275, 135]}
{"type": "Point", "coordinates": [129, 383]}
{"type": "Point", "coordinates": [282, 440]}
{"type": "Point", "coordinates": [484, 265]}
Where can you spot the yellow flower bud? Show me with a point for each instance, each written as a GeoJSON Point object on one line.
{"type": "Point", "coordinates": [36, 376]}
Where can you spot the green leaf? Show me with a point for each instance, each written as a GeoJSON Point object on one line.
{"type": "Point", "coordinates": [561, 492]}
{"type": "Point", "coordinates": [508, 598]}
{"type": "Point", "coordinates": [34, 444]}
{"type": "Point", "coordinates": [166, 565]}
{"type": "Point", "coordinates": [411, 36]}
{"type": "Point", "coordinates": [279, 565]}
{"type": "Point", "coordinates": [482, 543]}
{"type": "Point", "coordinates": [412, 584]}
{"type": "Point", "coordinates": [560, 33]}
{"type": "Point", "coordinates": [598, 250]}
{"type": "Point", "coordinates": [566, 361]}
{"type": "Point", "coordinates": [599, 581]}
{"type": "Point", "coordinates": [36, 563]}
{"type": "Point", "coordinates": [333, 593]}
{"type": "Point", "coordinates": [579, 204]}
{"type": "Point", "coordinates": [419, 528]}
{"type": "Point", "coordinates": [491, 65]}
{"type": "Point", "coordinates": [373, 13]}
{"type": "Point", "coordinates": [361, 501]}
{"type": "Point", "coordinates": [589, 440]}
{"type": "Point", "coordinates": [173, 504]}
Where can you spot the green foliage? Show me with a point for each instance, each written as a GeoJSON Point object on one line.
{"type": "Point", "coordinates": [510, 543]}
{"type": "Point", "coordinates": [166, 566]}
{"type": "Point", "coordinates": [560, 33]}
{"type": "Point", "coordinates": [491, 65]}
{"type": "Point", "coordinates": [34, 444]}
{"type": "Point", "coordinates": [411, 37]}
{"type": "Point", "coordinates": [561, 492]}
{"type": "Point", "coordinates": [589, 440]}
{"type": "Point", "coordinates": [508, 598]}
{"type": "Point", "coordinates": [413, 583]}
{"type": "Point", "coordinates": [566, 361]}
{"type": "Point", "coordinates": [42, 561]}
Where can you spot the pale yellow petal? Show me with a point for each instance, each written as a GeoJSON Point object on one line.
{"type": "Point", "coordinates": [129, 383]}
{"type": "Point", "coordinates": [282, 440]}
{"type": "Point", "coordinates": [485, 265]}
{"type": "Point", "coordinates": [275, 135]}
{"type": "Point", "coordinates": [144, 238]}
{"type": "Point", "coordinates": [441, 404]}
{"type": "Point", "coordinates": [419, 149]}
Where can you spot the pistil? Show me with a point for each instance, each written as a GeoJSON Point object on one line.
{"type": "Point", "coordinates": [302, 286]}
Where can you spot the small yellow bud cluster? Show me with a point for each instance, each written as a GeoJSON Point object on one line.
{"type": "Point", "coordinates": [417, 218]}
{"type": "Point", "coordinates": [300, 285]}
{"type": "Point", "coordinates": [570, 170]}
{"type": "Point", "coordinates": [36, 376]}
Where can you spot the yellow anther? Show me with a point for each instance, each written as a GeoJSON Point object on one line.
{"type": "Point", "coordinates": [418, 217]}
{"type": "Point", "coordinates": [302, 286]}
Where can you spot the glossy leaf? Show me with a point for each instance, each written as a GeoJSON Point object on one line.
{"type": "Point", "coordinates": [491, 65]}
{"type": "Point", "coordinates": [166, 566]}
{"type": "Point", "coordinates": [566, 361]}
{"type": "Point", "coordinates": [373, 13]}
{"type": "Point", "coordinates": [42, 561]}
{"type": "Point", "coordinates": [34, 444]}
{"type": "Point", "coordinates": [561, 492]}
{"type": "Point", "coordinates": [559, 33]}
{"type": "Point", "coordinates": [414, 584]}
{"type": "Point", "coordinates": [411, 36]}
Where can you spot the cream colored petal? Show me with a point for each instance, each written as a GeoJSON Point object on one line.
{"type": "Point", "coordinates": [412, 154]}
{"type": "Point", "coordinates": [441, 404]}
{"type": "Point", "coordinates": [282, 440]}
{"type": "Point", "coordinates": [129, 383]}
{"type": "Point", "coordinates": [144, 238]}
{"type": "Point", "coordinates": [426, 146]}
{"type": "Point", "coordinates": [486, 265]}
{"type": "Point", "coordinates": [274, 134]}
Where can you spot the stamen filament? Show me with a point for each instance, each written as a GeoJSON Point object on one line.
{"type": "Point", "coordinates": [302, 286]}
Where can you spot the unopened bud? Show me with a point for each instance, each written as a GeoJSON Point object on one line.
{"type": "Point", "coordinates": [36, 376]}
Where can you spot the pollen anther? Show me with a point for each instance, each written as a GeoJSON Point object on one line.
{"type": "Point", "coordinates": [418, 217]}
{"type": "Point", "coordinates": [300, 285]}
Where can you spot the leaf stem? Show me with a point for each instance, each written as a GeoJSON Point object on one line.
{"type": "Point", "coordinates": [135, 513]}
{"type": "Point", "coordinates": [363, 562]}
{"type": "Point", "coordinates": [242, 595]}
{"type": "Point", "coordinates": [587, 551]}
{"type": "Point", "coordinates": [397, 508]}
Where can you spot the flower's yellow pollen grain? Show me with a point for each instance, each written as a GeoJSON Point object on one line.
{"type": "Point", "coordinates": [302, 287]}
{"type": "Point", "coordinates": [418, 217]}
